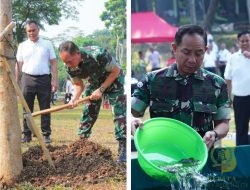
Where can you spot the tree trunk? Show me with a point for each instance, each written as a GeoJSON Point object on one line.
{"type": "Point", "coordinates": [192, 11]}
{"type": "Point", "coordinates": [248, 10]}
{"type": "Point", "coordinates": [10, 130]}
{"type": "Point", "coordinates": [210, 14]}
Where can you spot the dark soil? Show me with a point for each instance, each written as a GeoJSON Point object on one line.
{"type": "Point", "coordinates": [82, 162]}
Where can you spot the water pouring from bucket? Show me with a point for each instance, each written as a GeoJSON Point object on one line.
{"type": "Point", "coordinates": [166, 146]}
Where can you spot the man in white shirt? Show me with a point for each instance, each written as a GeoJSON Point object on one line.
{"type": "Point", "coordinates": [209, 61]}
{"type": "Point", "coordinates": [154, 59]}
{"type": "Point", "coordinates": [238, 80]}
{"type": "Point", "coordinates": [36, 60]}
{"type": "Point", "coordinates": [223, 57]}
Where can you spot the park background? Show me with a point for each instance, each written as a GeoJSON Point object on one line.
{"type": "Point", "coordinates": [223, 17]}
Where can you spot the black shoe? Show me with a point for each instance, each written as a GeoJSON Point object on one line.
{"type": "Point", "coordinates": [26, 139]}
{"type": "Point", "coordinates": [47, 139]}
{"type": "Point", "coordinates": [122, 153]}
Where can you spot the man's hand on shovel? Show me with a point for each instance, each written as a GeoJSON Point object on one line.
{"type": "Point", "coordinates": [73, 103]}
{"type": "Point", "coordinates": [96, 95]}
{"type": "Point", "coordinates": [57, 108]}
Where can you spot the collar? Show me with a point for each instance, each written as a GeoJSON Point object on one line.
{"type": "Point", "coordinates": [173, 72]}
{"type": "Point", "coordinates": [39, 39]}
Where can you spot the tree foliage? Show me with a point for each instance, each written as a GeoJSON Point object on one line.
{"type": "Point", "coordinates": [43, 11]}
{"type": "Point", "coordinates": [115, 17]}
{"type": "Point", "coordinates": [115, 20]}
{"type": "Point", "coordinates": [102, 38]}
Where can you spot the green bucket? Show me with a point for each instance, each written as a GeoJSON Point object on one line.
{"type": "Point", "coordinates": [164, 141]}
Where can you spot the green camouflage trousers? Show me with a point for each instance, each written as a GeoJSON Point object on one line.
{"type": "Point", "coordinates": [90, 112]}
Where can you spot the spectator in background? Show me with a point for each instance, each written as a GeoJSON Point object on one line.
{"type": "Point", "coordinates": [154, 59]}
{"type": "Point", "coordinates": [209, 61]}
{"type": "Point", "coordinates": [171, 60]}
{"type": "Point", "coordinates": [238, 80]}
{"type": "Point", "coordinates": [210, 40]}
{"type": "Point", "coordinates": [233, 49]}
{"type": "Point", "coordinates": [68, 90]}
{"type": "Point", "coordinates": [214, 47]}
{"type": "Point", "coordinates": [139, 70]}
{"type": "Point", "coordinates": [222, 59]}
{"type": "Point", "coordinates": [209, 36]}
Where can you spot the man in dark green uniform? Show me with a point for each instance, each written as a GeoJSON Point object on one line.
{"type": "Point", "coordinates": [185, 91]}
{"type": "Point", "coordinates": [103, 77]}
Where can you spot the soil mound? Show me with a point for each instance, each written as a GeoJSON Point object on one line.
{"type": "Point", "coordinates": [76, 164]}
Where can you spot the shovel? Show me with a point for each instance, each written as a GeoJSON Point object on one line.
{"type": "Point", "coordinates": [28, 117]}
{"type": "Point", "coordinates": [57, 108]}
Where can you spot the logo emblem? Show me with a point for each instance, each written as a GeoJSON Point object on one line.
{"type": "Point", "coordinates": [222, 156]}
{"type": "Point", "coordinates": [139, 84]}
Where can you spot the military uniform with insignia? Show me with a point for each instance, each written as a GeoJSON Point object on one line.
{"type": "Point", "coordinates": [95, 67]}
{"type": "Point", "coordinates": [197, 100]}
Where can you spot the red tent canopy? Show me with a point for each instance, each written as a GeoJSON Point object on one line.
{"type": "Point", "coordinates": [148, 27]}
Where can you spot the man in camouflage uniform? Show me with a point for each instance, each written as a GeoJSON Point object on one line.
{"type": "Point", "coordinates": [103, 77]}
{"type": "Point", "coordinates": [185, 91]}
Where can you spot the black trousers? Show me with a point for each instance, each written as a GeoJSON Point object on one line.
{"type": "Point", "coordinates": [241, 106]}
{"type": "Point", "coordinates": [222, 70]}
{"type": "Point", "coordinates": [156, 68]}
{"type": "Point", "coordinates": [67, 98]}
{"type": "Point", "coordinates": [211, 69]}
{"type": "Point", "coordinates": [37, 86]}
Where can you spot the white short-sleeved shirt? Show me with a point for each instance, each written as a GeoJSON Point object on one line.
{"type": "Point", "coordinates": [69, 87]}
{"type": "Point", "coordinates": [154, 58]}
{"type": "Point", "coordinates": [224, 55]}
{"type": "Point", "coordinates": [209, 59]}
{"type": "Point", "coordinates": [36, 56]}
{"type": "Point", "coordinates": [237, 70]}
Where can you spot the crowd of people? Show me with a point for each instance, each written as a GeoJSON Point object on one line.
{"type": "Point", "coordinates": [215, 58]}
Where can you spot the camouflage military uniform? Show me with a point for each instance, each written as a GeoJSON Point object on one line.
{"type": "Point", "coordinates": [196, 100]}
{"type": "Point", "coordinates": [95, 68]}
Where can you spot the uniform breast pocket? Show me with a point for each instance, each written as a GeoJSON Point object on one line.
{"type": "Point", "coordinates": [203, 115]}
{"type": "Point", "coordinates": [162, 109]}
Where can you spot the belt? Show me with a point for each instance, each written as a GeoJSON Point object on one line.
{"type": "Point", "coordinates": [36, 76]}
{"type": "Point", "coordinates": [245, 96]}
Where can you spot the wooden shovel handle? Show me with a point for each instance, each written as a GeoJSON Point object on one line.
{"type": "Point", "coordinates": [7, 29]}
{"type": "Point", "coordinates": [57, 108]}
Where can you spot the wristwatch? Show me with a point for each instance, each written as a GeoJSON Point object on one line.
{"type": "Point", "coordinates": [216, 135]}
{"type": "Point", "coordinates": [102, 89]}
